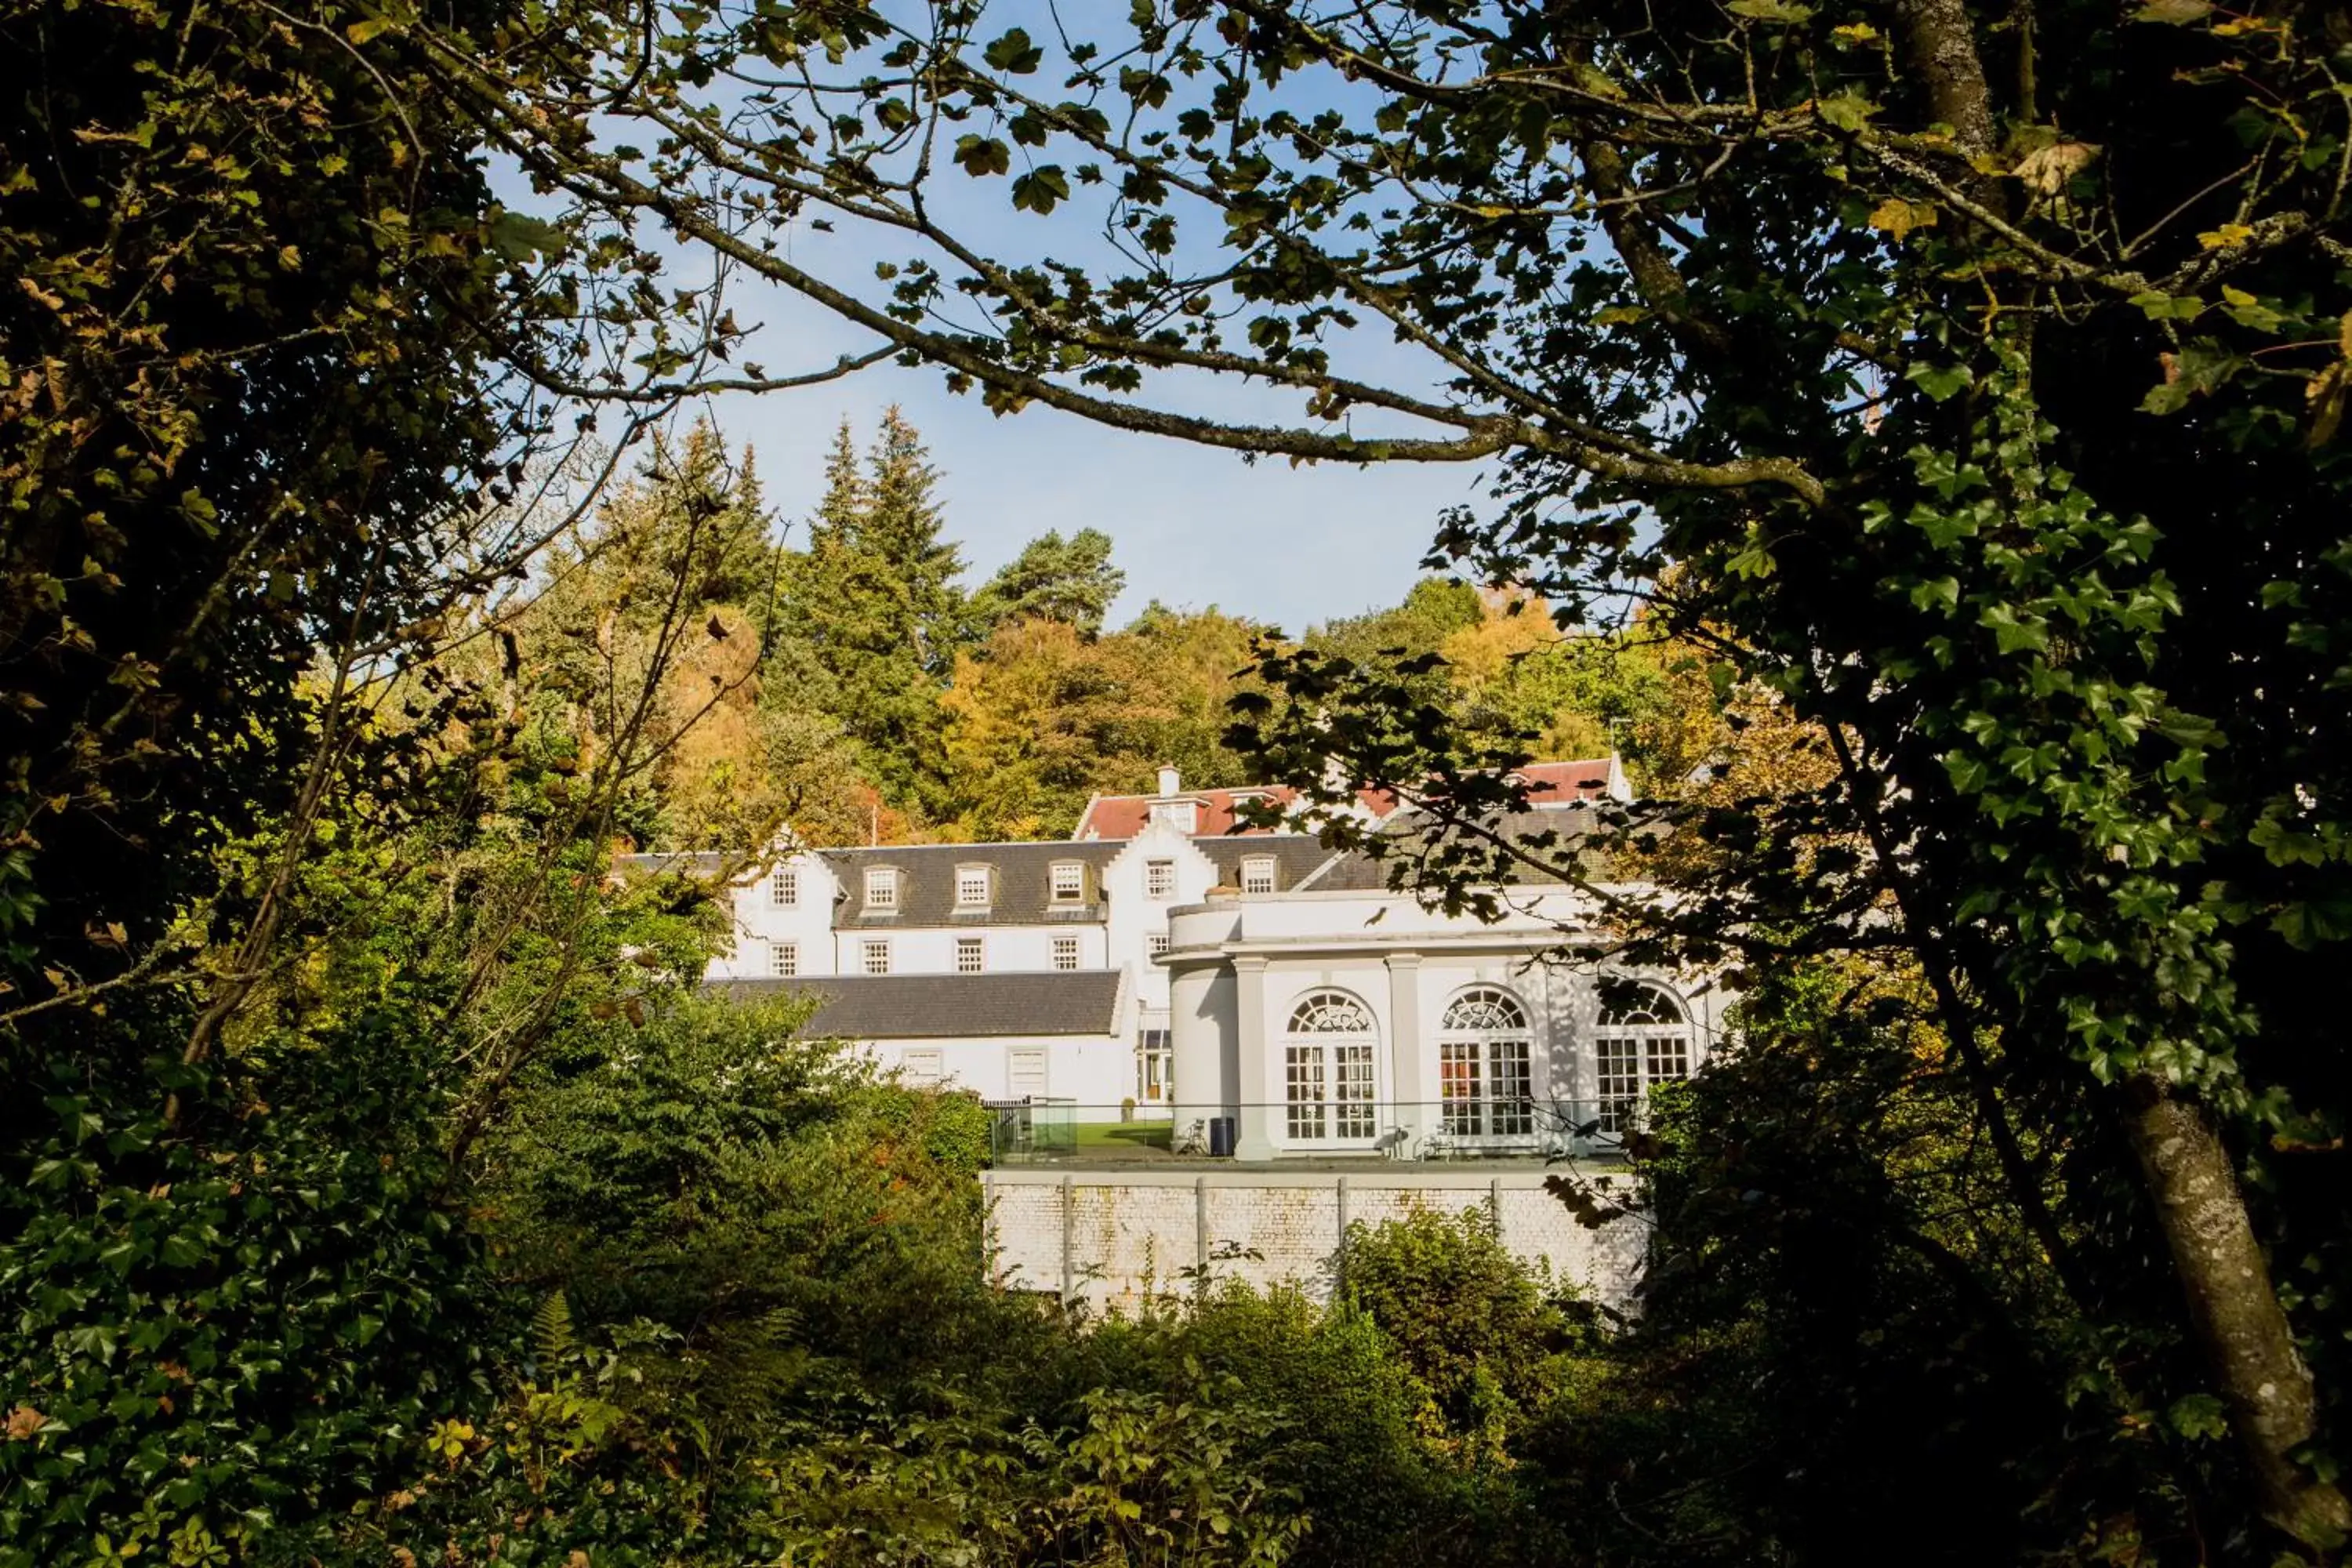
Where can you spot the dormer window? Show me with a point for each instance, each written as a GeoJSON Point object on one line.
{"type": "Point", "coordinates": [1184, 816]}
{"type": "Point", "coordinates": [882, 888]}
{"type": "Point", "coordinates": [1257, 874]}
{"type": "Point", "coordinates": [975, 887]}
{"type": "Point", "coordinates": [1068, 882]}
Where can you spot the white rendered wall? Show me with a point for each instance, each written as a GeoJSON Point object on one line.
{"type": "Point", "coordinates": [1095, 1070]}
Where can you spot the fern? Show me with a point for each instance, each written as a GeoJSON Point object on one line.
{"type": "Point", "coordinates": [550, 1329]}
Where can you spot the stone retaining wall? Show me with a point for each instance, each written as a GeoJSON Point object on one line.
{"type": "Point", "coordinates": [1110, 1238]}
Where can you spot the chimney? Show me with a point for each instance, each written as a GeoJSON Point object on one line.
{"type": "Point", "coordinates": [1171, 782]}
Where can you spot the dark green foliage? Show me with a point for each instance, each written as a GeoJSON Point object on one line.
{"type": "Point", "coordinates": [1055, 579]}
{"type": "Point", "coordinates": [1465, 1315]}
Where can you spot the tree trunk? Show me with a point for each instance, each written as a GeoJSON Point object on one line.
{"type": "Point", "coordinates": [2239, 1322]}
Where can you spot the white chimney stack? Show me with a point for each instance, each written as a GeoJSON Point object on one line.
{"type": "Point", "coordinates": [1171, 782]}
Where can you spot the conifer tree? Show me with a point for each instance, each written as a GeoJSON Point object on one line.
{"type": "Point", "coordinates": [877, 598]}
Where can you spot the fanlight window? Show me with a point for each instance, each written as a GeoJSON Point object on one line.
{"type": "Point", "coordinates": [1328, 1074]}
{"type": "Point", "coordinates": [1330, 1012]}
{"type": "Point", "coordinates": [1484, 1078]}
{"type": "Point", "coordinates": [1644, 1040]}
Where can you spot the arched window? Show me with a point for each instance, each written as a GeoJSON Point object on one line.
{"type": "Point", "coordinates": [1643, 1039]}
{"type": "Point", "coordinates": [1327, 1066]}
{"type": "Point", "coordinates": [1483, 1046]}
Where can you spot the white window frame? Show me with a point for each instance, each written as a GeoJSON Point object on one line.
{"type": "Point", "coordinates": [968, 878]}
{"type": "Point", "coordinates": [1642, 1038]}
{"type": "Point", "coordinates": [1155, 944]}
{"type": "Point", "coordinates": [1484, 1066]}
{"type": "Point", "coordinates": [1067, 948]}
{"type": "Point", "coordinates": [923, 1066]}
{"type": "Point", "coordinates": [874, 955]}
{"type": "Point", "coordinates": [1065, 882]}
{"type": "Point", "coordinates": [882, 888]}
{"type": "Point", "coordinates": [785, 960]}
{"type": "Point", "coordinates": [1257, 874]}
{"type": "Point", "coordinates": [1330, 1070]}
{"type": "Point", "coordinates": [975, 948]}
{"type": "Point", "coordinates": [784, 888]}
{"type": "Point", "coordinates": [1159, 880]}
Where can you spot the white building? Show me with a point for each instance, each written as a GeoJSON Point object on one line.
{"type": "Point", "coordinates": [1269, 994]}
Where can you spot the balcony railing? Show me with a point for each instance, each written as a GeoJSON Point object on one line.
{"type": "Point", "coordinates": [1051, 1131]}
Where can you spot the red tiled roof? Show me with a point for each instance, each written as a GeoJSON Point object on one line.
{"type": "Point", "coordinates": [1124, 816]}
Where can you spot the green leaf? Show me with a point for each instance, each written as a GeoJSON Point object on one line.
{"type": "Point", "coordinates": [1848, 111]}
{"type": "Point", "coordinates": [2199, 1415]}
{"type": "Point", "coordinates": [983, 156]}
{"type": "Point", "coordinates": [1015, 54]}
{"type": "Point", "coordinates": [1041, 189]}
{"type": "Point", "coordinates": [1937, 381]}
{"type": "Point", "coordinates": [1787, 13]}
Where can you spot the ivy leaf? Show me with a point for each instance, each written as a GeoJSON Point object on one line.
{"type": "Point", "coordinates": [2198, 1415]}
{"type": "Point", "coordinates": [1784, 13]}
{"type": "Point", "coordinates": [1937, 381]}
{"type": "Point", "coordinates": [2174, 13]}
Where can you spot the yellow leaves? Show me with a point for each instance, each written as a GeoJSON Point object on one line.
{"type": "Point", "coordinates": [24, 1423]}
{"type": "Point", "coordinates": [2225, 237]}
{"type": "Point", "coordinates": [449, 1440]}
{"type": "Point", "coordinates": [1898, 217]}
{"type": "Point", "coordinates": [289, 256]}
{"type": "Point", "coordinates": [361, 32]}
{"type": "Point", "coordinates": [1855, 34]}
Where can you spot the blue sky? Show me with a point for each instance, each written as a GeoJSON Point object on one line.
{"type": "Point", "coordinates": [1192, 527]}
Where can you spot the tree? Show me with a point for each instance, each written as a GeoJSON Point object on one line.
{"type": "Point", "coordinates": [1938, 346]}
{"type": "Point", "coordinates": [875, 598]}
{"type": "Point", "coordinates": [1052, 579]}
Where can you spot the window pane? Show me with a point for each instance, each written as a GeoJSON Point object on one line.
{"type": "Point", "coordinates": [783, 959]}
{"type": "Point", "coordinates": [878, 958]}
{"type": "Point", "coordinates": [1066, 952]}
{"type": "Point", "coordinates": [1353, 1114]}
{"type": "Point", "coordinates": [1513, 1111]}
{"type": "Point", "coordinates": [1618, 1059]}
{"type": "Point", "coordinates": [1159, 879]}
{"type": "Point", "coordinates": [784, 888]}
{"type": "Point", "coordinates": [967, 955]}
{"type": "Point", "coordinates": [1303, 1081]}
{"type": "Point", "coordinates": [1457, 1078]}
{"type": "Point", "coordinates": [1257, 874]}
{"type": "Point", "coordinates": [1069, 883]}
{"type": "Point", "coordinates": [971, 886]}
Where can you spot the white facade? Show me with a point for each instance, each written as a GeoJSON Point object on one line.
{"type": "Point", "coordinates": [1267, 988]}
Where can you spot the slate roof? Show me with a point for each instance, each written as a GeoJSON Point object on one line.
{"type": "Point", "coordinates": [1118, 817]}
{"type": "Point", "coordinates": [1359, 873]}
{"type": "Point", "coordinates": [949, 1006]}
{"type": "Point", "coordinates": [926, 874]}
{"type": "Point", "coordinates": [1296, 855]}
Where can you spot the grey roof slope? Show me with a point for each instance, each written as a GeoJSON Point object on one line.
{"type": "Point", "coordinates": [1359, 873]}
{"type": "Point", "coordinates": [949, 1006]}
{"type": "Point", "coordinates": [1296, 855]}
{"type": "Point", "coordinates": [926, 883]}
